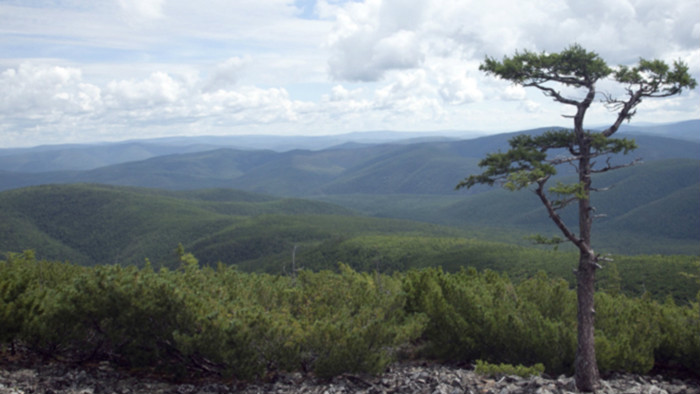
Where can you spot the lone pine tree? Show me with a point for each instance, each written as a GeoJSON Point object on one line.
{"type": "Point", "coordinates": [532, 161]}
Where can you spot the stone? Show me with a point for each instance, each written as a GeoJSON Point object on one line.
{"type": "Point", "coordinates": [399, 379]}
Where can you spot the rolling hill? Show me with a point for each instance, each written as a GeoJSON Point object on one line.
{"type": "Point", "coordinates": [422, 168]}
{"type": "Point", "coordinates": [97, 224]}
{"type": "Point", "coordinates": [687, 130]}
{"type": "Point", "coordinates": [653, 207]}
{"type": "Point", "coordinates": [82, 157]}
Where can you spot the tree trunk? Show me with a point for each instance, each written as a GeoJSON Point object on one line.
{"type": "Point", "coordinates": [586, 367]}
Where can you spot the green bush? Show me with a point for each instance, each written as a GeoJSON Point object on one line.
{"type": "Point", "coordinates": [125, 314]}
{"type": "Point", "coordinates": [239, 329]}
{"type": "Point", "coordinates": [220, 320]}
{"type": "Point", "coordinates": [679, 346]}
{"type": "Point", "coordinates": [28, 287]}
{"type": "Point", "coordinates": [499, 370]}
{"type": "Point", "coordinates": [483, 316]}
{"type": "Point", "coordinates": [626, 333]}
{"type": "Point", "coordinates": [354, 322]}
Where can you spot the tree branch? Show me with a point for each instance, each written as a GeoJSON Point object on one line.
{"type": "Point", "coordinates": [562, 160]}
{"type": "Point", "coordinates": [561, 204]}
{"type": "Point", "coordinates": [610, 167]}
{"type": "Point", "coordinates": [552, 93]}
{"type": "Point", "coordinates": [626, 110]}
{"type": "Point", "coordinates": [555, 216]}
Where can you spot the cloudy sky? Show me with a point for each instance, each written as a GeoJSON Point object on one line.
{"type": "Point", "coordinates": [105, 70]}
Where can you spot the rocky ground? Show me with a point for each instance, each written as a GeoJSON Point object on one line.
{"type": "Point", "coordinates": [399, 379]}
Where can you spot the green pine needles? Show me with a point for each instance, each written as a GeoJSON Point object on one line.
{"type": "Point", "coordinates": [499, 370]}
{"type": "Point", "coordinates": [221, 321]}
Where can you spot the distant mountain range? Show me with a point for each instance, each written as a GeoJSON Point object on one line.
{"type": "Point", "coordinates": [653, 207]}
{"type": "Point", "coordinates": [77, 157]}
{"type": "Point", "coordinates": [90, 156]}
{"type": "Point", "coordinates": [399, 167]}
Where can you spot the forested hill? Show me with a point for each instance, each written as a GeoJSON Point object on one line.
{"type": "Point", "coordinates": [651, 207]}
{"type": "Point", "coordinates": [97, 224]}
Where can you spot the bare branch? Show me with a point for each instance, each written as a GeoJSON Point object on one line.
{"type": "Point", "coordinates": [605, 258]}
{"type": "Point", "coordinates": [552, 93]}
{"type": "Point", "coordinates": [626, 110]}
{"type": "Point", "coordinates": [562, 159]}
{"type": "Point", "coordinates": [610, 167]}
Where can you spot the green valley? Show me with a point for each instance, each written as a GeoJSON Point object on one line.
{"type": "Point", "coordinates": [96, 224]}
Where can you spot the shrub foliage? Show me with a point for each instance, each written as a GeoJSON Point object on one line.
{"type": "Point", "coordinates": [244, 325]}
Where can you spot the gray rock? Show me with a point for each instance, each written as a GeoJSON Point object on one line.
{"type": "Point", "coordinates": [399, 379]}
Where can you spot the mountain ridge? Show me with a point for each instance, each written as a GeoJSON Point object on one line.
{"type": "Point", "coordinates": [90, 156]}
{"type": "Point", "coordinates": [415, 168]}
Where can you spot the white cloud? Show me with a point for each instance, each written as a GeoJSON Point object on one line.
{"type": "Point", "coordinates": [341, 105]}
{"type": "Point", "coordinates": [453, 81]}
{"type": "Point", "coordinates": [514, 92]}
{"type": "Point", "coordinates": [99, 70]}
{"type": "Point", "coordinates": [248, 104]}
{"type": "Point", "coordinates": [397, 51]}
{"type": "Point", "coordinates": [159, 88]}
{"type": "Point", "coordinates": [51, 99]}
{"type": "Point", "coordinates": [530, 106]}
{"type": "Point", "coordinates": [621, 30]}
{"type": "Point", "coordinates": [226, 74]}
{"type": "Point", "coordinates": [340, 93]}
{"type": "Point", "coordinates": [147, 9]}
{"type": "Point", "coordinates": [373, 37]}
{"type": "Point", "coordinates": [408, 95]}
{"type": "Point", "coordinates": [32, 91]}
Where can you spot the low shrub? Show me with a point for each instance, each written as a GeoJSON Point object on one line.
{"type": "Point", "coordinates": [241, 325]}
{"type": "Point", "coordinates": [483, 316]}
{"type": "Point", "coordinates": [499, 370]}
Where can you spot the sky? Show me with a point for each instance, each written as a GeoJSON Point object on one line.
{"type": "Point", "coordinates": [78, 71]}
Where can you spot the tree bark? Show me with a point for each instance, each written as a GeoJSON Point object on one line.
{"type": "Point", "coordinates": [586, 374]}
{"type": "Point", "coordinates": [586, 367]}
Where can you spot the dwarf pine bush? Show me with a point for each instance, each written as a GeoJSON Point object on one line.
{"type": "Point", "coordinates": [499, 370]}
{"type": "Point", "coordinates": [223, 321]}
